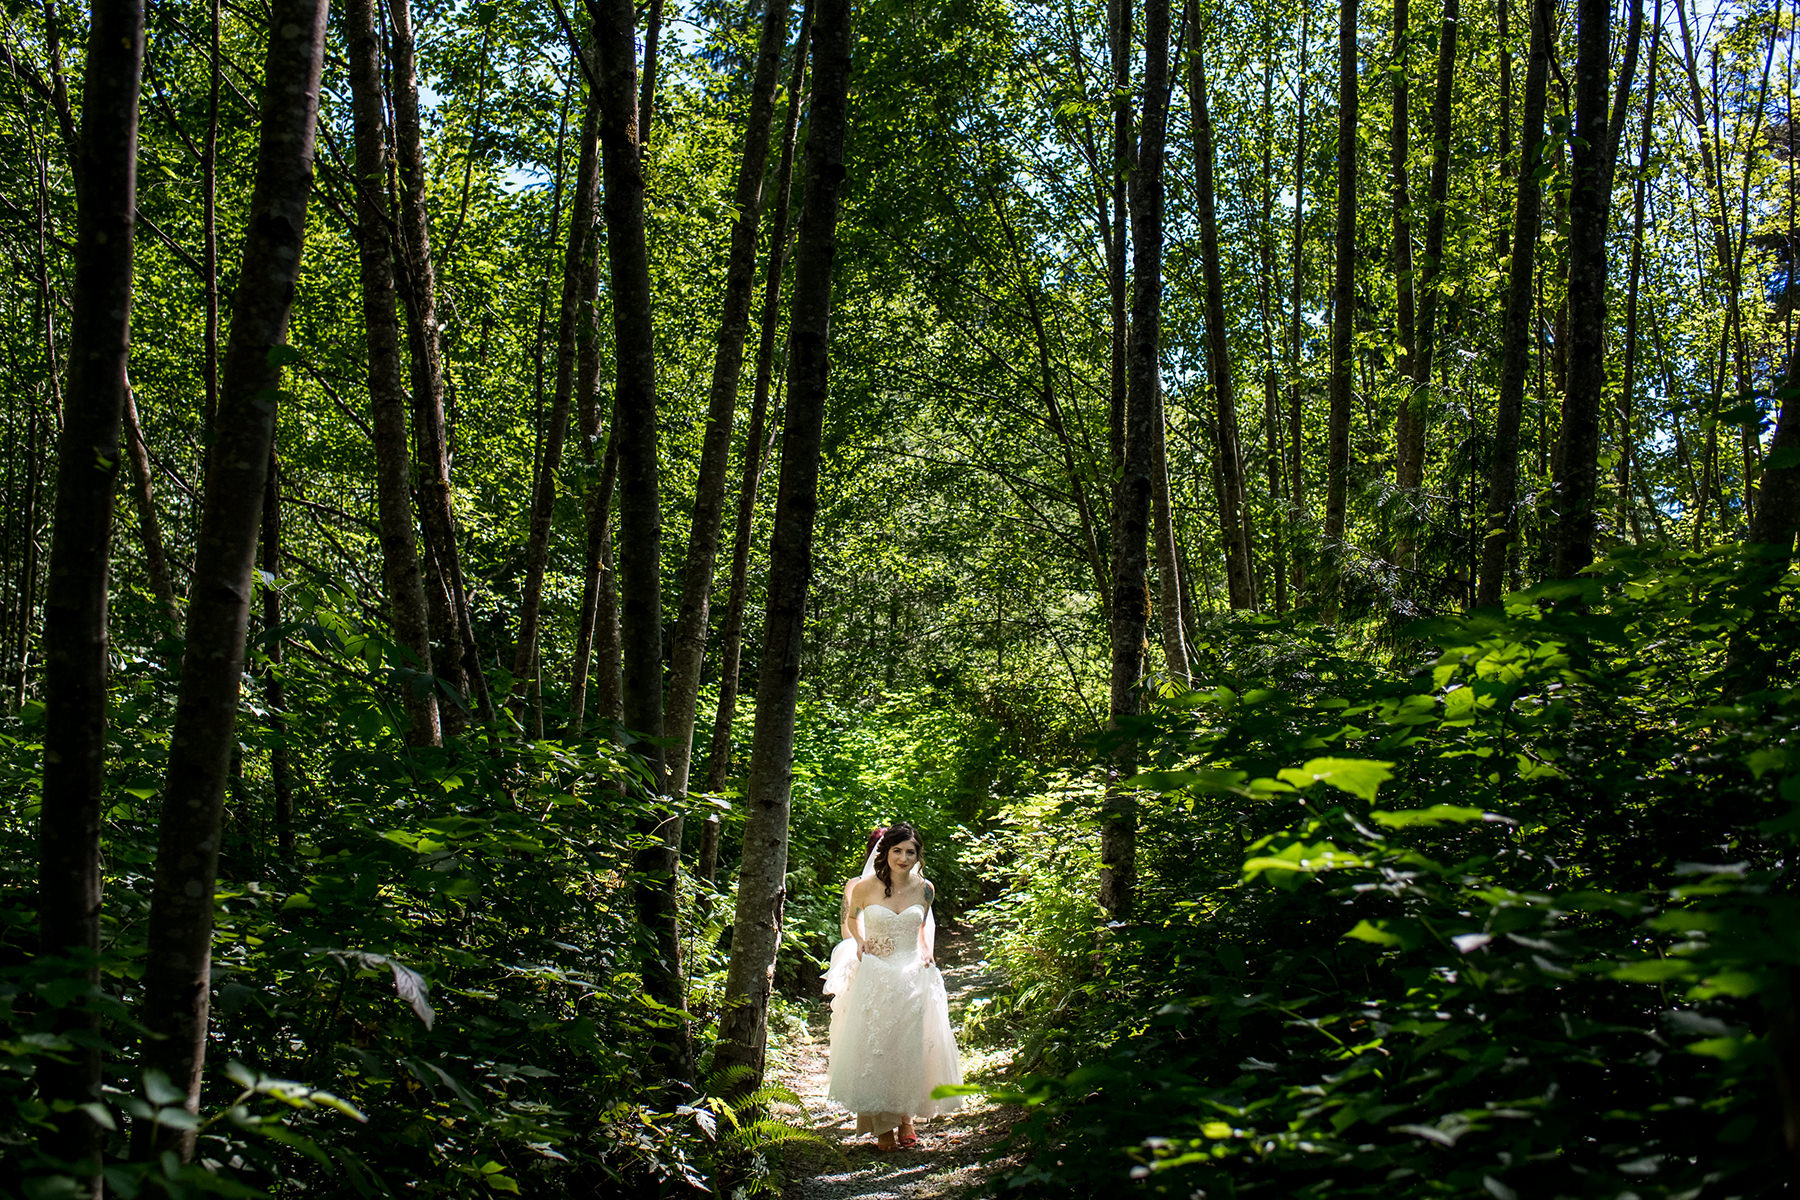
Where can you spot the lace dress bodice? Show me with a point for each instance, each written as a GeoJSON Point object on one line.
{"type": "Point", "coordinates": [893, 936]}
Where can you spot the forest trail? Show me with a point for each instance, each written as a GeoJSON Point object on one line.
{"type": "Point", "coordinates": [950, 1157]}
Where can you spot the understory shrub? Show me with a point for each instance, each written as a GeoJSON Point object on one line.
{"type": "Point", "coordinates": [1514, 917]}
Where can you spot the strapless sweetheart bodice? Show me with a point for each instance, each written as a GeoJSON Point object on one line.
{"type": "Point", "coordinates": [890, 935]}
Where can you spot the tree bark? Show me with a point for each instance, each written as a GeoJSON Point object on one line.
{"type": "Point", "coordinates": [1296, 443]}
{"type": "Point", "coordinates": [756, 931]}
{"type": "Point", "coordinates": [1233, 519]}
{"type": "Point", "coordinates": [596, 576]}
{"type": "Point", "coordinates": [689, 649]}
{"type": "Point", "coordinates": [1411, 472]}
{"type": "Point", "coordinates": [758, 442]}
{"type": "Point", "coordinates": [75, 605]}
{"type": "Point", "coordinates": [1343, 306]}
{"type": "Point", "coordinates": [437, 515]}
{"type": "Point", "coordinates": [1131, 497]}
{"type": "Point", "coordinates": [179, 954]}
{"type": "Point", "coordinates": [640, 517]}
{"type": "Point", "coordinates": [1640, 187]}
{"type": "Point", "coordinates": [1265, 246]}
{"type": "Point", "coordinates": [143, 491]}
{"type": "Point", "coordinates": [1407, 469]}
{"type": "Point", "coordinates": [1168, 553]}
{"type": "Point", "coordinates": [1590, 207]}
{"type": "Point", "coordinates": [1119, 21]}
{"type": "Point", "coordinates": [543, 494]}
{"type": "Point", "coordinates": [387, 390]}
{"type": "Point", "coordinates": [1515, 351]}
{"type": "Point", "coordinates": [281, 767]}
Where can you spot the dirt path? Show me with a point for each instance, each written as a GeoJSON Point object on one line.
{"type": "Point", "coordinates": [949, 1160]}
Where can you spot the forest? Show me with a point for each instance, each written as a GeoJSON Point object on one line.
{"type": "Point", "coordinates": [1295, 502]}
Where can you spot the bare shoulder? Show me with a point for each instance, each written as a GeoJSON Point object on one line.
{"type": "Point", "coordinates": [930, 893]}
{"type": "Point", "coordinates": [861, 891]}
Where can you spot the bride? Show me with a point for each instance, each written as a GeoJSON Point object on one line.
{"type": "Point", "coordinates": [891, 1042]}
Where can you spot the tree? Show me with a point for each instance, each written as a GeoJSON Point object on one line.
{"type": "Point", "coordinates": [419, 291]}
{"type": "Point", "coordinates": [543, 492]}
{"type": "Point", "coordinates": [759, 441]}
{"type": "Point", "coordinates": [75, 607]}
{"type": "Point", "coordinates": [387, 390]}
{"type": "Point", "coordinates": [1343, 305]}
{"type": "Point", "coordinates": [1515, 351]}
{"type": "Point", "coordinates": [640, 517]}
{"type": "Point", "coordinates": [1234, 517]}
{"type": "Point", "coordinates": [179, 953]}
{"type": "Point", "coordinates": [1590, 207]}
{"type": "Point", "coordinates": [762, 895]}
{"type": "Point", "coordinates": [1411, 469]}
{"type": "Point", "coordinates": [709, 495]}
{"type": "Point", "coordinates": [1130, 601]}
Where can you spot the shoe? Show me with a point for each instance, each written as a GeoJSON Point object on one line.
{"type": "Point", "coordinates": [909, 1140]}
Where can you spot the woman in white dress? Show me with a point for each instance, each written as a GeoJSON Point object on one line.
{"type": "Point", "coordinates": [891, 1042]}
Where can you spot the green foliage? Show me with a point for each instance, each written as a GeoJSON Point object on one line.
{"type": "Point", "coordinates": [1528, 931]}
{"type": "Point", "coordinates": [436, 994]}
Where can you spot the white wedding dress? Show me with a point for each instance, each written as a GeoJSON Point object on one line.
{"type": "Point", "coordinates": [891, 1041]}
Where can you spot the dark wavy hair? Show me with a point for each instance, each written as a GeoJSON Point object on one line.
{"type": "Point", "coordinates": [874, 837]}
{"type": "Point", "coordinates": [896, 833]}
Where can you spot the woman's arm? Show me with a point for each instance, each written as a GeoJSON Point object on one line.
{"type": "Point", "coordinates": [850, 917]}
{"type": "Point", "coordinates": [928, 928]}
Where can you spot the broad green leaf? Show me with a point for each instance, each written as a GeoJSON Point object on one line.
{"type": "Point", "coordinates": [1358, 776]}
{"type": "Point", "coordinates": [1437, 814]}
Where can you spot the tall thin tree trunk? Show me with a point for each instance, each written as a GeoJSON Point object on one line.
{"type": "Point", "coordinates": [143, 491]}
{"type": "Point", "coordinates": [1168, 552]}
{"type": "Point", "coordinates": [1131, 504]}
{"type": "Point", "coordinates": [178, 961]}
{"type": "Point", "coordinates": [1640, 187]}
{"type": "Point", "coordinates": [1296, 443]}
{"type": "Point", "coordinates": [596, 501]}
{"type": "Point", "coordinates": [387, 390]}
{"type": "Point", "coordinates": [1590, 208]}
{"type": "Point", "coordinates": [75, 605]}
{"type": "Point", "coordinates": [758, 442]}
{"type": "Point", "coordinates": [1516, 340]}
{"type": "Point", "coordinates": [1407, 471]}
{"type": "Point", "coordinates": [543, 494]}
{"type": "Point", "coordinates": [437, 516]}
{"type": "Point", "coordinates": [1343, 306]}
{"type": "Point", "coordinates": [1265, 245]}
{"type": "Point", "coordinates": [640, 517]}
{"type": "Point", "coordinates": [1239, 583]}
{"type": "Point", "coordinates": [689, 649]}
{"type": "Point", "coordinates": [1119, 22]}
{"type": "Point", "coordinates": [209, 220]}
{"type": "Point", "coordinates": [756, 931]}
{"type": "Point", "coordinates": [1411, 473]}
{"type": "Point", "coordinates": [28, 519]}
{"type": "Point", "coordinates": [281, 767]}
{"type": "Point", "coordinates": [647, 91]}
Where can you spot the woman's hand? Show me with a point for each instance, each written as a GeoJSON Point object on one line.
{"type": "Point", "coordinates": [928, 960]}
{"type": "Point", "coordinates": [861, 946]}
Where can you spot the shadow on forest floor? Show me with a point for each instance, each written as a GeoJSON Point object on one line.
{"type": "Point", "coordinates": [954, 1151]}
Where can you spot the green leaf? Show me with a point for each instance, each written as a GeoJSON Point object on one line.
{"type": "Point", "coordinates": [1437, 814]}
{"type": "Point", "coordinates": [1653, 970]}
{"type": "Point", "coordinates": [1358, 776]}
{"type": "Point", "coordinates": [160, 1091]}
{"type": "Point", "coordinates": [283, 356]}
{"type": "Point", "coordinates": [1382, 933]}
